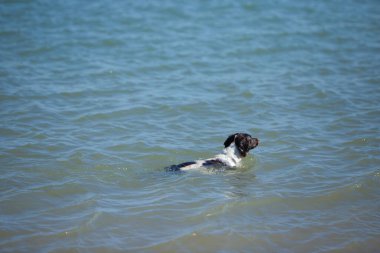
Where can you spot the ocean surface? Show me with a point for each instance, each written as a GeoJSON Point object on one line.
{"type": "Point", "coordinates": [98, 97]}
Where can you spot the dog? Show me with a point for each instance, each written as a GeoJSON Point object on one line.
{"type": "Point", "coordinates": [236, 147]}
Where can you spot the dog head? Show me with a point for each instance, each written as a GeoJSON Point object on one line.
{"type": "Point", "coordinates": [243, 142]}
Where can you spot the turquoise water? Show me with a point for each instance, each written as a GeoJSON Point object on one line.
{"type": "Point", "coordinates": [97, 98]}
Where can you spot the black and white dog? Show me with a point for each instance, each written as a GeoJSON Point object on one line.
{"type": "Point", "coordinates": [236, 147]}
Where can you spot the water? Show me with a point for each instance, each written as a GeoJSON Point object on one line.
{"type": "Point", "coordinates": [97, 98]}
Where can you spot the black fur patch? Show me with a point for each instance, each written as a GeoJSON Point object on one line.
{"type": "Point", "coordinates": [179, 166]}
{"type": "Point", "coordinates": [213, 162]}
{"type": "Point", "coordinates": [229, 140]}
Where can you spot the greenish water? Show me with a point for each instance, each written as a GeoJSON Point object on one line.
{"type": "Point", "coordinates": [97, 98]}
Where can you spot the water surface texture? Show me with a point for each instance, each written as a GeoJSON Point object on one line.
{"type": "Point", "coordinates": [97, 97]}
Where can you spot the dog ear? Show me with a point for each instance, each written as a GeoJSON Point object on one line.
{"type": "Point", "coordinates": [229, 140]}
{"type": "Point", "coordinates": [242, 144]}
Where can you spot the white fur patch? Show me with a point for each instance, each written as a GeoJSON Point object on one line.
{"type": "Point", "coordinates": [230, 156]}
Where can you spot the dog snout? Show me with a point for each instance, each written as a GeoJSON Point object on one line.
{"type": "Point", "coordinates": [255, 142]}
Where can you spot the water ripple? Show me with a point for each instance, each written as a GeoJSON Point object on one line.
{"type": "Point", "coordinates": [97, 99]}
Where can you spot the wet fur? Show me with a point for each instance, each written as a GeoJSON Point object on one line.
{"type": "Point", "coordinates": [236, 147]}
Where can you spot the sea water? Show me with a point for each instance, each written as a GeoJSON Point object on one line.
{"type": "Point", "coordinates": [98, 97]}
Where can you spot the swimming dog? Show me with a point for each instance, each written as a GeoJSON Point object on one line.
{"type": "Point", "coordinates": [236, 147]}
